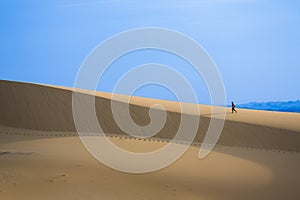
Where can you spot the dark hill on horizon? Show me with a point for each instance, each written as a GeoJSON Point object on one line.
{"type": "Point", "coordinates": [281, 106]}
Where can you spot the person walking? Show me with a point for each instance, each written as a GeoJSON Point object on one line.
{"type": "Point", "coordinates": [233, 108]}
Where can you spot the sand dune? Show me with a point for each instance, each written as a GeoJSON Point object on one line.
{"type": "Point", "coordinates": [49, 108]}
{"type": "Point", "coordinates": [41, 157]}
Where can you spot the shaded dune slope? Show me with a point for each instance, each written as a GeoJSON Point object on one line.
{"type": "Point", "coordinates": [49, 108]}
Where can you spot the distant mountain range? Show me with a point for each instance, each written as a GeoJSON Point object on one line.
{"type": "Point", "coordinates": [282, 106]}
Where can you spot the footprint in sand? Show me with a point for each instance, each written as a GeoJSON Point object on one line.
{"type": "Point", "coordinates": [62, 178]}
{"type": "Point", "coordinates": [7, 177]}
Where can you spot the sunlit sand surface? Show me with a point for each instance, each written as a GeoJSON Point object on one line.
{"type": "Point", "coordinates": [42, 157]}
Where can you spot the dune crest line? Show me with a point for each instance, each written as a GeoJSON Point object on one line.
{"type": "Point", "coordinates": [49, 108]}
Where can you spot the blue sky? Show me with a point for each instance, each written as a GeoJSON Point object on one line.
{"type": "Point", "coordinates": [254, 43]}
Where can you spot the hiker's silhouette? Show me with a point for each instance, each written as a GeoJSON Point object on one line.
{"type": "Point", "coordinates": [233, 108]}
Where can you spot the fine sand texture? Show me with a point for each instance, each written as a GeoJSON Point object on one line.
{"type": "Point", "coordinates": [42, 157]}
